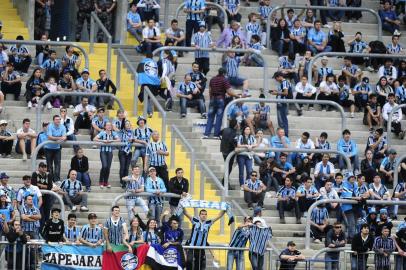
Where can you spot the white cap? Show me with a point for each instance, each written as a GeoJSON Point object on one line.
{"type": "Point", "coordinates": [261, 220]}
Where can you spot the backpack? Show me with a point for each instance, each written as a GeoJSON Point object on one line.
{"type": "Point", "coordinates": [377, 47]}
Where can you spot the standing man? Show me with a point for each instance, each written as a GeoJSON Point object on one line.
{"type": "Point", "coordinates": [335, 238]}
{"type": "Point", "coordinates": [282, 92]}
{"type": "Point", "coordinates": [196, 258]}
{"type": "Point", "coordinates": [135, 184]}
{"type": "Point", "coordinates": [155, 157]}
{"type": "Point", "coordinates": [384, 245]}
{"type": "Point", "coordinates": [85, 8]}
{"type": "Point", "coordinates": [360, 245]}
{"type": "Point", "coordinates": [218, 88]}
{"type": "Point", "coordinates": [104, 10]}
{"type": "Point", "coordinates": [56, 132]}
{"type": "Point", "coordinates": [239, 239]}
{"type": "Point", "coordinates": [30, 217]}
{"type": "Point", "coordinates": [43, 180]}
{"type": "Point", "coordinates": [202, 39]}
{"type": "Point", "coordinates": [396, 125]}
{"type": "Point", "coordinates": [115, 229]}
{"type": "Point", "coordinates": [178, 185]}
{"type": "Point", "coordinates": [194, 10]}
{"type": "Point", "coordinates": [259, 235]}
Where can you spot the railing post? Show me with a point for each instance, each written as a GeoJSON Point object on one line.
{"type": "Point", "coordinates": [31, 15]}
{"type": "Point", "coordinates": [173, 144]}
{"type": "Point", "coordinates": [58, 198]}
{"type": "Point", "coordinates": [396, 171]}
{"type": "Point", "coordinates": [389, 124]}
{"type": "Point", "coordinates": [145, 102]}
{"type": "Point", "coordinates": [109, 42]}
{"type": "Point", "coordinates": [91, 37]}
{"type": "Point", "coordinates": [166, 15]}
{"type": "Point", "coordinates": [118, 71]}
{"type": "Point", "coordinates": [192, 171]}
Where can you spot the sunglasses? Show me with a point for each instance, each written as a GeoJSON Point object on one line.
{"type": "Point", "coordinates": [337, 227]}
{"type": "Point", "coordinates": [254, 175]}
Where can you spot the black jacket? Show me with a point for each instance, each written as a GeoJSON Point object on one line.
{"type": "Point", "coordinates": [83, 167]}
{"type": "Point", "coordinates": [228, 142]}
{"type": "Point", "coordinates": [276, 33]}
{"type": "Point", "coordinates": [177, 187]}
{"type": "Point", "coordinates": [359, 246]}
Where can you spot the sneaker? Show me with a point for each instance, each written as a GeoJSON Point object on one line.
{"type": "Point", "coordinates": [24, 157]}
{"type": "Point", "coordinates": [49, 105]}
{"type": "Point", "coordinates": [88, 189]}
{"type": "Point", "coordinates": [311, 108]}
{"type": "Point", "coordinates": [7, 156]}
{"type": "Point", "coordinates": [299, 112]}
{"type": "Point", "coordinates": [183, 115]}
{"type": "Point", "coordinates": [397, 33]}
{"type": "Point", "coordinates": [216, 264]}
{"type": "Point", "coordinates": [29, 105]}
{"type": "Point", "coordinates": [94, 146]}
{"type": "Point", "coordinates": [205, 137]}
{"type": "Point", "coordinates": [108, 186]}
{"type": "Point", "coordinates": [204, 116]}
{"type": "Point", "coordinates": [357, 21]}
{"type": "Point", "coordinates": [150, 115]}
{"type": "Point", "coordinates": [402, 134]}
{"type": "Point", "coordinates": [282, 220]}
{"type": "Point", "coordinates": [370, 69]}
{"type": "Point", "coordinates": [101, 187]}
{"type": "Point", "coordinates": [216, 138]}
{"type": "Point", "coordinates": [350, 21]}
{"type": "Point", "coordinates": [317, 241]}
{"type": "Point", "coordinates": [298, 221]}
{"type": "Point", "coordinates": [352, 115]}
{"type": "Point", "coordinates": [84, 209]}
{"type": "Point", "coordinates": [74, 208]}
{"type": "Point", "coordinates": [71, 107]}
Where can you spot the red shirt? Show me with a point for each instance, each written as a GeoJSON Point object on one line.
{"type": "Point", "coordinates": [219, 86]}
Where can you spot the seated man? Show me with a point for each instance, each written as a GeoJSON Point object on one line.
{"type": "Point", "coordinates": [6, 140]}
{"type": "Point", "coordinates": [134, 23]}
{"type": "Point", "coordinates": [328, 192]}
{"type": "Point", "coordinates": [279, 140]}
{"type": "Point", "coordinates": [307, 144]}
{"type": "Point", "coordinates": [328, 91]}
{"type": "Point", "coordinates": [390, 21]}
{"type": "Point", "coordinates": [317, 39]}
{"type": "Point", "coordinates": [284, 169]}
{"type": "Point", "coordinates": [151, 38]}
{"type": "Point", "coordinates": [84, 113]}
{"type": "Point", "coordinates": [27, 139]}
{"type": "Point", "coordinates": [372, 113]}
{"type": "Point", "coordinates": [260, 117]}
{"type": "Point", "coordinates": [304, 90]}
{"type": "Point", "coordinates": [20, 56]}
{"type": "Point", "coordinates": [399, 193]}
{"type": "Point", "coordinates": [377, 143]}
{"type": "Point", "coordinates": [287, 201]}
{"type": "Point", "coordinates": [254, 191]}
{"type": "Point", "coordinates": [344, 95]}
{"type": "Point", "coordinates": [85, 84]}
{"type": "Point", "coordinates": [98, 123]}
{"type": "Point", "coordinates": [387, 166]}
{"type": "Point", "coordinates": [52, 66]}
{"type": "Point", "coordinates": [307, 194]}
{"type": "Point", "coordinates": [319, 224]}
{"type": "Point", "coordinates": [323, 71]}
{"type": "Point", "coordinates": [10, 81]}
{"type": "Point", "coordinates": [73, 194]}
{"type": "Point", "coordinates": [396, 117]}
{"type": "Point", "coordinates": [351, 72]}
{"type": "Point", "coordinates": [349, 147]}
{"type": "Point", "coordinates": [176, 34]}
{"type": "Point", "coordinates": [239, 111]}
{"type": "Point", "coordinates": [377, 190]}
{"type": "Point", "coordinates": [188, 93]}
{"type": "Point", "coordinates": [288, 68]}
{"type": "Point", "coordinates": [323, 171]}
{"type": "Point", "coordinates": [388, 70]}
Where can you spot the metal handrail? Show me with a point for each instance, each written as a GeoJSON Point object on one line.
{"type": "Point", "coordinates": [121, 56]}
{"type": "Point", "coordinates": [396, 171]}
{"type": "Point", "coordinates": [209, 173]}
{"type": "Point", "coordinates": [344, 54]}
{"type": "Point", "coordinates": [93, 19]}
{"type": "Point", "coordinates": [175, 132]}
{"type": "Point", "coordinates": [59, 198]}
{"type": "Point", "coordinates": [51, 43]}
{"type": "Point", "coordinates": [34, 154]}
{"type": "Point", "coordinates": [208, 4]}
{"type": "Point", "coordinates": [268, 21]}
{"type": "Point", "coordinates": [74, 94]}
{"type": "Point", "coordinates": [389, 124]}
{"type": "Point", "coordinates": [343, 201]}
{"type": "Point", "coordinates": [143, 194]}
{"type": "Point", "coordinates": [289, 150]}
{"type": "Point", "coordinates": [286, 101]}
{"type": "Point", "coordinates": [221, 50]}
{"type": "Point", "coordinates": [148, 94]}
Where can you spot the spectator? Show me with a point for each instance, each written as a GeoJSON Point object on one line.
{"type": "Point", "coordinates": [73, 194]}
{"type": "Point", "coordinates": [142, 135]}
{"type": "Point", "coordinates": [231, 64]}
{"type": "Point", "coordinates": [396, 125]}
{"type": "Point", "coordinates": [30, 217]}
{"type": "Point", "coordinates": [176, 34]}
{"type": "Point", "coordinates": [198, 78]}
{"type": "Point", "coordinates": [280, 140]}
{"type": "Point", "coordinates": [80, 164]}
{"type": "Point", "coordinates": [149, 9]}
{"type": "Point", "coordinates": [173, 236]}
{"type": "Point", "coordinates": [245, 142]}
{"type": "Point", "coordinates": [98, 123]}
{"type": "Point", "coordinates": [68, 123]}
{"type": "Point", "coordinates": [29, 190]}
{"type": "Point", "coordinates": [290, 256]}
{"type": "Point", "coordinates": [20, 56]}
{"type": "Point", "coordinates": [263, 144]}
{"type": "Point", "coordinates": [67, 84]}
{"type": "Point", "coordinates": [328, 91]}
{"type": "Point", "coordinates": [307, 144]}
{"type": "Point", "coordinates": [119, 122]}
{"type": "Point", "coordinates": [134, 23]}
{"type": "Point", "coordinates": [105, 85]}
{"type": "Point", "coordinates": [265, 9]}
{"type": "Point", "coordinates": [106, 153]}
{"type": "Point", "coordinates": [383, 246]}
{"type": "Point", "coordinates": [52, 66]}
{"type": "Point", "coordinates": [398, 194]}
{"type": "Point", "coordinates": [85, 9]}
{"type": "Point", "coordinates": [240, 112]}
{"type": "Point", "coordinates": [298, 36]}
{"type": "Point", "coordinates": [319, 224]}
{"type": "Point", "coordinates": [232, 8]}
{"type": "Point", "coordinates": [328, 192]}
{"type": "Point", "coordinates": [104, 10]}
{"type": "Point", "coordinates": [369, 166]}
{"type": "Point", "coordinates": [378, 144]}
{"type": "Point", "coordinates": [3, 57]}
{"type": "Point", "coordinates": [54, 228]}
{"type": "Point", "coordinates": [383, 221]}
{"type": "Point", "coordinates": [115, 229]}
{"type": "Point", "coordinates": [151, 38]}
{"type": "Point", "coordinates": [124, 153]}
{"type": "Point", "coordinates": [394, 47]}
{"type": "Point", "coordinates": [150, 234]}
{"type": "Point", "coordinates": [323, 171]}
{"type": "Point", "coordinates": [254, 191]}
{"type": "Point", "coordinates": [357, 45]}
{"type": "Point", "coordinates": [26, 139]}
{"type": "Point", "coordinates": [135, 184]}
{"type": "Point", "coordinates": [306, 194]}
{"type": "Point", "coordinates": [35, 88]}
{"type": "Point", "coordinates": [390, 21]}
{"type": "Point", "coordinates": [185, 94]}
{"type": "Point", "coordinates": [317, 39]}
{"type": "Point", "coordinates": [259, 235]}
{"type": "Point", "coordinates": [155, 157]}
{"type": "Point", "coordinates": [280, 38]}
{"type": "Point", "coordinates": [194, 15]}
{"type": "Point", "coordinates": [304, 90]}
{"type": "Point", "coordinates": [401, 93]}
{"type": "Point", "coordinates": [323, 71]}
{"type": "Point", "coordinates": [388, 71]}
{"type": "Point", "coordinates": [43, 180]}
{"type": "Point", "coordinates": [91, 234]}
{"type": "Point", "coordinates": [84, 113]}
{"type": "Point", "coordinates": [56, 132]}
{"type": "Point", "coordinates": [321, 143]}
{"type": "Point", "coordinates": [6, 140]}
{"type": "Point", "coordinates": [335, 238]}
{"type": "Point", "coordinates": [6, 208]}
{"type": "Point", "coordinates": [11, 82]}
{"type": "Point", "coordinates": [288, 68]}
{"type": "Point", "coordinates": [156, 186]}
{"type": "Point", "coordinates": [254, 59]}
{"type": "Point", "coordinates": [218, 88]}
{"type": "Point", "coordinates": [72, 232]}
{"type": "Point", "coordinates": [372, 113]}
{"type": "Point", "coordinates": [85, 84]}
{"type": "Point", "coordinates": [400, 238]}
{"type": "Point", "coordinates": [387, 167]}
{"type": "Point", "coordinates": [178, 185]}
{"type": "Point", "coordinates": [351, 72]}
{"type": "Point", "coordinates": [287, 201]}
{"type": "Point", "coordinates": [239, 239]}
{"type": "Point", "coordinates": [253, 28]}
{"type": "Point", "coordinates": [261, 117]}
{"type": "Point", "coordinates": [348, 147]}
{"type": "Point", "coordinates": [8, 190]}
{"type": "Point", "coordinates": [228, 34]}
{"type": "Point", "coordinates": [71, 61]}
{"type": "Point", "coordinates": [283, 92]}
{"type": "Point", "coordinates": [228, 142]}
{"type": "Point", "coordinates": [202, 39]}
{"type": "Point", "coordinates": [344, 95]}
{"type": "Point", "coordinates": [14, 234]}
{"type": "Point", "coordinates": [283, 169]}
{"type": "Point", "coordinates": [336, 37]}
{"type": "Point", "coordinates": [213, 15]}
{"type": "Point", "coordinates": [360, 245]}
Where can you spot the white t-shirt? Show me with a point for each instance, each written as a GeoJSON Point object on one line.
{"type": "Point", "coordinates": [329, 88]}
{"type": "Point", "coordinates": [150, 32]}
{"type": "Point", "coordinates": [21, 130]}
{"type": "Point", "coordinates": [89, 108]}
{"type": "Point", "coordinates": [32, 189]}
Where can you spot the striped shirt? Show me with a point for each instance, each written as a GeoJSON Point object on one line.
{"type": "Point", "coordinates": [263, 111]}
{"type": "Point", "coordinates": [388, 246]}
{"type": "Point", "coordinates": [91, 235]}
{"type": "Point", "coordinates": [344, 91]}
{"type": "Point", "coordinates": [285, 84]}
{"type": "Point", "coordinates": [289, 22]}
{"type": "Point", "coordinates": [319, 215]}
{"type": "Point", "coordinates": [152, 186]}
{"type": "Point", "coordinates": [203, 40]}
{"type": "Point", "coordinates": [244, 140]}
{"type": "Point", "coordinates": [70, 61]}
{"type": "Point", "coordinates": [135, 236]}
{"type": "Point", "coordinates": [187, 89]}
{"type": "Point", "coordinates": [133, 185]}
{"type": "Point", "coordinates": [119, 124]}
{"type": "Point", "coordinates": [324, 71]}
{"type": "Point", "coordinates": [358, 46]}
{"type": "Point", "coordinates": [253, 185]}
{"type": "Point", "coordinates": [115, 230]}
{"type": "Point", "coordinates": [400, 187]}
{"type": "Point", "coordinates": [71, 187]}
{"type": "Point", "coordinates": [154, 158]}
{"type": "Point", "coordinates": [299, 32]}
{"type": "Point", "coordinates": [401, 94]}
{"type": "Point", "coordinates": [25, 191]}
{"type": "Point", "coordinates": [30, 226]}
{"type": "Point", "coordinates": [195, 5]}
{"type": "Point", "coordinates": [259, 239]}
{"type": "Point", "coordinates": [103, 135]}
{"type": "Point", "coordinates": [51, 65]}
{"type": "Point", "coordinates": [311, 191]}
{"type": "Point", "coordinates": [380, 190]}
{"type": "Point", "coordinates": [286, 192]}
{"type": "Point", "coordinates": [239, 238]}
{"type": "Point", "coordinates": [285, 63]}
{"type": "Point", "coordinates": [126, 137]}
{"type": "Point", "coordinates": [100, 122]}
{"type": "Point", "coordinates": [18, 50]}
{"type": "Point", "coordinates": [394, 49]}
{"type": "Point", "coordinates": [388, 164]}
{"type": "Point", "coordinates": [232, 64]}
{"type": "Point", "coordinates": [151, 237]}
{"type": "Point", "coordinates": [351, 69]}
{"type": "Point", "coordinates": [11, 76]}
{"type": "Point", "coordinates": [324, 170]}
{"type": "Point", "coordinates": [372, 140]}
{"type": "Point", "coordinates": [333, 3]}
{"type": "Point", "coordinates": [363, 87]}
{"type": "Point", "coordinates": [87, 84]}
{"type": "Point", "coordinates": [143, 134]}
{"type": "Point", "coordinates": [253, 28]}
{"type": "Point", "coordinates": [200, 232]}
{"type": "Point", "coordinates": [72, 234]}
{"type": "Point", "coordinates": [277, 141]}
{"type": "Point", "coordinates": [363, 189]}
{"type": "Point", "coordinates": [264, 11]}
{"type": "Point", "coordinates": [232, 5]}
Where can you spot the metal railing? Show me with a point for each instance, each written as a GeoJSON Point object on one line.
{"type": "Point", "coordinates": [143, 194]}
{"type": "Point", "coordinates": [74, 94]}
{"type": "Point", "coordinates": [344, 54]}
{"type": "Point", "coordinates": [26, 10]}
{"type": "Point", "coordinates": [396, 171]}
{"type": "Point", "coordinates": [34, 154]}
{"type": "Point", "coordinates": [208, 4]}
{"type": "Point", "coordinates": [34, 244]}
{"type": "Point", "coordinates": [51, 43]}
{"type": "Point", "coordinates": [286, 101]}
{"type": "Point", "coordinates": [59, 198]}
{"type": "Point", "coordinates": [93, 21]}
{"type": "Point", "coordinates": [221, 50]}
{"type": "Point", "coordinates": [148, 95]}
{"type": "Point", "coordinates": [176, 133]}
{"type": "Point", "coordinates": [389, 124]}
{"type": "Point", "coordinates": [268, 22]}
{"type": "Point", "coordinates": [122, 57]}
{"type": "Point", "coordinates": [205, 170]}
{"type": "Point", "coordinates": [289, 150]}
{"type": "Point", "coordinates": [342, 201]}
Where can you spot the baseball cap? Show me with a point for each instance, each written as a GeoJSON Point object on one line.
{"type": "Point", "coordinates": [392, 151]}
{"type": "Point", "coordinates": [383, 211]}
{"type": "Point", "coordinates": [257, 210]}
{"type": "Point", "coordinates": [372, 210]}
{"type": "Point", "coordinates": [85, 71]}
{"type": "Point", "coordinates": [2, 122]}
{"type": "Point", "coordinates": [4, 175]}
{"type": "Point", "coordinates": [261, 220]}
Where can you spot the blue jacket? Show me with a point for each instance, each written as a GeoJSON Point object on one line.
{"type": "Point", "coordinates": [349, 148]}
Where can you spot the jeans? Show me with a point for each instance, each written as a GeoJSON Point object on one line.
{"type": "Point", "coordinates": [389, 27]}
{"type": "Point", "coordinates": [244, 161]}
{"type": "Point", "coordinates": [257, 60]}
{"type": "Point", "coordinates": [138, 152]}
{"type": "Point", "coordinates": [322, 12]}
{"type": "Point", "coordinates": [359, 262]}
{"type": "Point", "coordinates": [137, 33]}
{"type": "Point", "coordinates": [84, 178]}
{"type": "Point", "coordinates": [199, 103]}
{"type": "Point", "coordinates": [257, 261]}
{"type": "Point", "coordinates": [238, 256]}
{"type": "Point", "coordinates": [155, 211]}
{"type": "Point", "coordinates": [131, 203]}
{"type": "Point", "coordinates": [354, 160]}
{"type": "Point", "coordinates": [192, 26]}
{"type": "Point", "coordinates": [316, 51]}
{"type": "Point", "coordinates": [282, 115]}
{"type": "Point", "coordinates": [216, 109]}
{"type": "Point", "coordinates": [400, 263]}
{"type": "Point", "coordinates": [332, 260]}
{"type": "Point", "coordinates": [106, 158]}
{"type": "Point", "coordinates": [335, 15]}
{"type": "Point", "coordinates": [280, 46]}
{"type": "Point", "coordinates": [349, 221]}
{"type": "Point", "coordinates": [53, 158]}
{"type": "Point", "coordinates": [125, 161]}
{"type": "Point", "coordinates": [74, 200]}
{"type": "Point", "coordinates": [196, 259]}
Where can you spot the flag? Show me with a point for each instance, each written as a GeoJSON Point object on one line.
{"type": "Point", "coordinates": [121, 259]}
{"type": "Point", "coordinates": [160, 258]}
{"type": "Point", "coordinates": [71, 257]}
